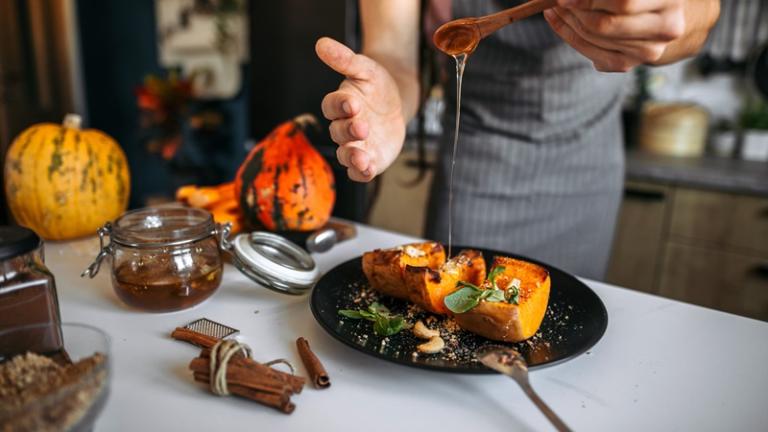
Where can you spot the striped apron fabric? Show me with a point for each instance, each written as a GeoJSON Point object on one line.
{"type": "Point", "coordinates": [539, 168]}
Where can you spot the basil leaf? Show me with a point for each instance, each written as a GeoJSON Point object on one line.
{"type": "Point", "coordinates": [495, 272]}
{"type": "Point", "coordinates": [381, 326]}
{"type": "Point", "coordinates": [387, 327]}
{"type": "Point", "coordinates": [463, 299]}
{"type": "Point", "coordinates": [462, 284]}
{"type": "Point", "coordinates": [384, 323]}
{"type": "Point", "coordinates": [494, 296]}
{"type": "Point", "coordinates": [370, 316]}
{"type": "Point", "coordinates": [384, 326]}
{"type": "Point", "coordinates": [396, 324]}
{"type": "Point", "coordinates": [378, 308]}
{"type": "Point", "coordinates": [349, 313]}
{"type": "Point", "coordinates": [513, 295]}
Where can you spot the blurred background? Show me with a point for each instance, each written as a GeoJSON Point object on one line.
{"type": "Point", "coordinates": [187, 87]}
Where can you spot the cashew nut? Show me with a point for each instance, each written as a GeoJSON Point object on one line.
{"type": "Point", "coordinates": [432, 346]}
{"type": "Point", "coordinates": [423, 332]}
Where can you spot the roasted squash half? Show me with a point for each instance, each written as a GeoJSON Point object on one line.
{"type": "Point", "coordinates": [509, 322]}
{"type": "Point", "coordinates": [428, 287]}
{"type": "Point", "coordinates": [420, 274]}
{"type": "Point", "coordinates": [385, 268]}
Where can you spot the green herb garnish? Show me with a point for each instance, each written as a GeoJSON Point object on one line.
{"type": "Point", "coordinates": [513, 292]}
{"type": "Point", "coordinates": [492, 275]}
{"type": "Point", "coordinates": [468, 296]}
{"type": "Point", "coordinates": [384, 322]}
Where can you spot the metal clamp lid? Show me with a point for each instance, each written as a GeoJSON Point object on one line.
{"type": "Point", "coordinates": [273, 261]}
{"type": "Point", "coordinates": [104, 251]}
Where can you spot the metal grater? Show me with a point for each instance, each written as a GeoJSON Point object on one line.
{"type": "Point", "coordinates": [211, 328]}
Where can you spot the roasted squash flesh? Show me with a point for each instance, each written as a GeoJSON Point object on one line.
{"type": "Point", "coordinates": [429, 287]}
{"type": "Point", "coordinates": [510, 322]}
{"type": "Point", "coordinates": [420, 274]}
{"type": "Point", "coordinates": [385, 268]}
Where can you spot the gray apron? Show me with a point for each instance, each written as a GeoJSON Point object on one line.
{"type": "Point", "coordinates": [540, 164]}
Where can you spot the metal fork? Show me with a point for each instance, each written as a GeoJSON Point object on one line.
{"type": "Point", "coordinates": [511, 363]}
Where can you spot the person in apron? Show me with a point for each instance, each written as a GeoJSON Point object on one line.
{"type": "Point", "coordinates": [539, 164]}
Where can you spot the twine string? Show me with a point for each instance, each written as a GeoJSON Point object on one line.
{"type": "Point", "coordinates": [221, 354]}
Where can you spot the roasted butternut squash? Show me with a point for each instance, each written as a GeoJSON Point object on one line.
{"type": "Point", "coordinates": [385, 268]}
{"type": "Point", "coordinates": [509, 322]}
{"type": "Point", "coordinates": [428, 287]}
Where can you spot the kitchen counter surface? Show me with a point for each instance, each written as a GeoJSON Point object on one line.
{"type": "Point", "coordinates": [708, 172]}
{"type": "Point", "coordinates": [661, 365]}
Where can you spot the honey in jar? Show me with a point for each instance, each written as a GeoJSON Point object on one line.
{"type": "Point", "coordinates": [163, 259]}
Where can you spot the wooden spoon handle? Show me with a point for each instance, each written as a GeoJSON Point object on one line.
{"type": "Point", "coordinates": [490, 23]}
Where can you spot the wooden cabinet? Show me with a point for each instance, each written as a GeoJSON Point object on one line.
{"type": "Point", "coordinates": [717, 279]}
{"type": "Point", "coordinates": [638, 240]}
{"type": "Point", "coordinates": [702, 247]}
{"type": "Point", "coordinates": [722, 220]}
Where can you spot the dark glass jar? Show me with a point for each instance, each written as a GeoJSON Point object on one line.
{"type": "Point", "coordinates": [27, 295]}
{"type": "Point", "coordinates": [163, 259]}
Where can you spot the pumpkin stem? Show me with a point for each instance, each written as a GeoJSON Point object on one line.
{"type": "Point", "coordinates": [303, 120]}
{"type": "Point", "coordinates": [72, 121]}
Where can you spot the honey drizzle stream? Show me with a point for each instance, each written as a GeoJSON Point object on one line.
{"type": "Point", "coordinates": [461, 61]}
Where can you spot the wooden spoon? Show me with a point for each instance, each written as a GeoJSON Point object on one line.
{"type": "Point", "coordinates": [461, 36]}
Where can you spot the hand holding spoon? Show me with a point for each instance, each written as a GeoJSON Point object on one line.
{"type": "Point", "coordinates": [510, 363]}
{"type": "Point", "coordinates": [461, 36]}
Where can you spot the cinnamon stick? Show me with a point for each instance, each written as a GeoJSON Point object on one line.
{"type": "Point", "coordinates": [316, 371]}
{"type": "Point", "coordinates": [193, 337]}
{"type": "Point", "coordinates": [242, 376]}
{"type": "Point", "coordinates": [295, 382]}
{"type": "Point", "coordinates": [280, 402]}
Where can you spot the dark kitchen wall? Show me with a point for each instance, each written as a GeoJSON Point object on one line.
{"type": "Point", "coordinates": [288, 79]}
{"type": "Point", "coordinates": [119, 48]}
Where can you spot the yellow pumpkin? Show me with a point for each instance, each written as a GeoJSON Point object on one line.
{"type": "Point", "coordinates": [64, 182]}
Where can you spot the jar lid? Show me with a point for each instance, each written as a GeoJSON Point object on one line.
{"type": "Point", "coordinates": [275, 262]}
{"type": "Point", "coordinates": [16, 240]}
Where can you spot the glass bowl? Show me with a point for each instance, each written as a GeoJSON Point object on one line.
{"type": "Point", "coordinates": [77, 392]}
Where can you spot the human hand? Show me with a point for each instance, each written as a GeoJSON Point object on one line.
{"type": "Point", "coordinates": [618, 35]}
{"type": "Point", "coordinates": [365, 112]}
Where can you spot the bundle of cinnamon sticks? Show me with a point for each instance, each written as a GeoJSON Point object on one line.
{"type": "Point", "coordinates": [245, 377]}
{"type": "Point", "coordinates": [252, 380]}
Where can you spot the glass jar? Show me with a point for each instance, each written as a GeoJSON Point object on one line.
{"type": "Point", "coordinates": [27, 295]}
{"type": "Point", "coordinates": [169, 258]}
{"type": "Point", "coordinates": [163, 259]}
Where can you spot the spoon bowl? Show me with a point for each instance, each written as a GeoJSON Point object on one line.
{"type": "Point", "coordinates": [461, 36]}
{"type": "Point", "coordinates": [458, 36]}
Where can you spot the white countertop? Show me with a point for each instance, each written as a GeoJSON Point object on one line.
{"type": "Point", "coordinates": [662, 365]}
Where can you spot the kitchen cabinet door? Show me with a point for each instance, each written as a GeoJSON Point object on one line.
{"type": "Point", "coordinates": [721, 220]}
{"type": "Point", "coordinates": [717, 279]}
{"type": "Point", "coordinates": [638, 243]}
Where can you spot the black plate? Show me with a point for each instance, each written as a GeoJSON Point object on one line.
{"type": "Point", "coordinates": [575, 320]}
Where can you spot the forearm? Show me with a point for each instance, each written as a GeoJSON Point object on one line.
{"type": "Point", "coordinates": [700, 16]}
{"type": "Point", "coordinates": [391, 38]}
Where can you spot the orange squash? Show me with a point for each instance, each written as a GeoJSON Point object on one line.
{"type": "Point", "coordinates": [428, 287]}
{"type": "Point", "coordinates": [64, 182]}
{"type": "Point", "coordinates": [385, 269]}
{"type": "Point", "coordinates": [419, 273]}
{"type": "Point", "coordinates": [285, 183]}
{"type": "Point", "coordinates": [509, 322]}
